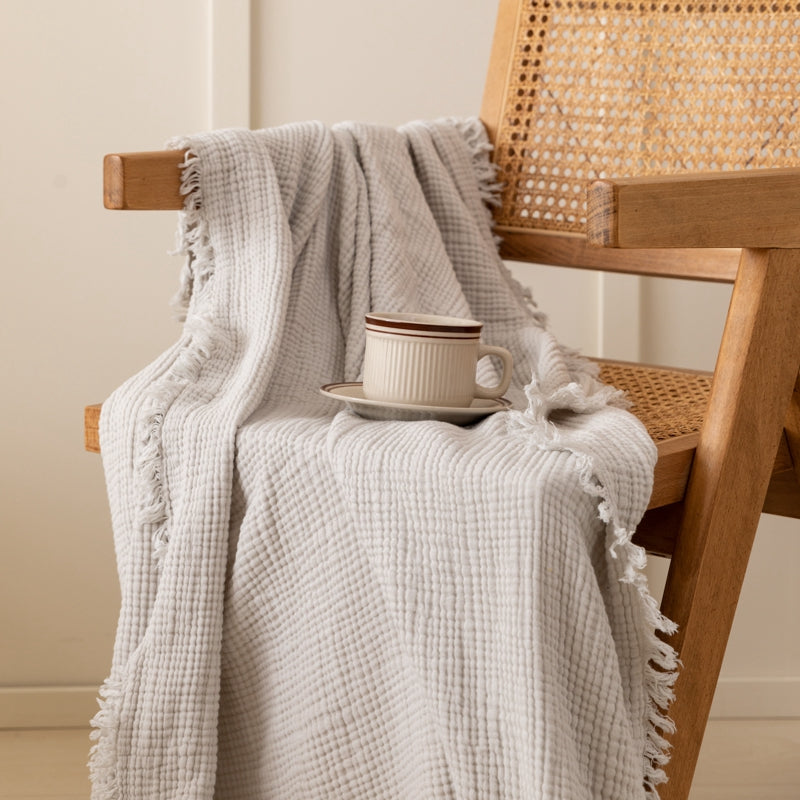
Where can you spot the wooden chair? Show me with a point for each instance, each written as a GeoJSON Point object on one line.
{"type": "Point", "coordinates": [698, 102]}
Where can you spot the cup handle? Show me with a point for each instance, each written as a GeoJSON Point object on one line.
{"type": "Point", "coordinates": [492, 392]}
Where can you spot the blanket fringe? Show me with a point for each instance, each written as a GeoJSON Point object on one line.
{"type": "Point", "coordinates": [661, 670]}
{"type": "Point", "coordinates": [191, 236]}
{"type": "Point", "coordinates": [476, 138]}
{"type": "Point", "coordinates": [200, 339]}
{"type": "Point", "coordinates": [474, 134]}
{"type": "Point", "coordinates": [103, 753]}
{"type": "Point", "coordinates": [584, 395]}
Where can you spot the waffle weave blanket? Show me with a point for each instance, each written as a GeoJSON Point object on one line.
{"type": "Point", "coordinates": [316, 605]}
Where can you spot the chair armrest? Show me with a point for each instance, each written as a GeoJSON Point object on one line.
{"type": "Point", "coordinates": [143, 181]}
{"type": "Point", "coordinates": [748, 208]}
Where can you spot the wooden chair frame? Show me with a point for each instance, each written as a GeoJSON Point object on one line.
{"type": "Point", "coordinates": [712, 485]}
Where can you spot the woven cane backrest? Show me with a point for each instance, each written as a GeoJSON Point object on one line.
{"type": "Point", "coordinates": [612, 89]}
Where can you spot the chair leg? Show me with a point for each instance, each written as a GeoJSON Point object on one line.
{"type": "Point", "coordinates": [756, 370]}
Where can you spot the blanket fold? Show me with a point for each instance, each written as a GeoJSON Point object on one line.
{"type": "Point", "coordinates": [316, 605]}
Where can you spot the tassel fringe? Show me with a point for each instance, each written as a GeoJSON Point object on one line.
{"type": "Point", "coordinates": [586, 394]}
{"type": "Point", "coordinates": [103, 753]}
{"type": "Point", "coordinates": [200, 340]}
{"type": "Point", "coordinates": [474, 135]}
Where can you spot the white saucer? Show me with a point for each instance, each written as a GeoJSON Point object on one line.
{"type": "Point", "coordinates": [353, 395]}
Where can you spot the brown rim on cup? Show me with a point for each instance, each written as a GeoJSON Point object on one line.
{"type": "Point", "coordinates": [422, 324]}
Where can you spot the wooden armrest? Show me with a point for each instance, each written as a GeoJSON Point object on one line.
{"type": "Point", "coordinates": [143, 181]}
{"type": "Point", "coordinates": [748, 208]}
{"type": "Point", "coordinates": [91, 428]}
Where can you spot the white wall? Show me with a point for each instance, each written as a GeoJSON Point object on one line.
{"type": "Point", "coordinates": [84, 305]}
{"type": "Point", "coordinates": [368, 60]}
{"type": "Point", "coordinates": [86, 290]}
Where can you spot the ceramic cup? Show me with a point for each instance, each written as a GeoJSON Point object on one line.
{"type": "Point", "coordinates": [426, 360]}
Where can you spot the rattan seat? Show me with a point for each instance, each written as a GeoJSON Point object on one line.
{"type": "Point", "coordinates": [670, 403]}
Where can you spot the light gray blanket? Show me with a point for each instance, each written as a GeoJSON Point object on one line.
{"type": "Point", "coordinates": [316, 605]}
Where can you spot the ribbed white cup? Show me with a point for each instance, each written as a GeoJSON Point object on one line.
{"type": "Point", "coordinates": [427, 360]}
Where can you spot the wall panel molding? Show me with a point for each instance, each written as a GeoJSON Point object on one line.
{"type": "Point", "coordinates": [757, 697]}
{"type": "Point", "coordinates": [74, 706]}
{"type": "Point", "coordinates": [47, 706]}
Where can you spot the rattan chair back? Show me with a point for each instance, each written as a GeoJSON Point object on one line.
{"type": "Point", "coordinates": [611, 89]}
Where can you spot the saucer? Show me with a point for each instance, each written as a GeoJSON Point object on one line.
{"type": "Point", "coordinates": [352, 394]}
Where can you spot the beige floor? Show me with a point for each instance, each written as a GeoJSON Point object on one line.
{"type": "Point", "coordinates": [741, 760]}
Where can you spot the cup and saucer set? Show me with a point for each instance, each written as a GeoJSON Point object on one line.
{"type": "Point", "coordinates": [420, 367]}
